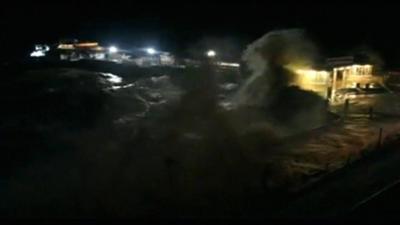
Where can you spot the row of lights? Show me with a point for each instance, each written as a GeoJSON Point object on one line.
{"type": "Point", "coordinates": [152, 51]}
{"type": "Point", "coordinates": [114, 49]}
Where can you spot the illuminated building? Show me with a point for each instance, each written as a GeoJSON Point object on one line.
{"type": "Point", "coordinates": [349, 72]}
{"type": "Point", "coordinates": [313, 80]}
{"type": "Point", "coordinates": [342, 73]}
{"type": "Point", "coordinates": [74, 50]}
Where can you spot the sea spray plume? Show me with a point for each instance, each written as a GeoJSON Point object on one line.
{"type": "Point", "coordinates": [272, 91]}
{"type": "Point", "coordinates": [269, 59]}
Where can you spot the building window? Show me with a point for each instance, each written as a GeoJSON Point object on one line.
{"type": "Point", "coordinates": [339, 75]}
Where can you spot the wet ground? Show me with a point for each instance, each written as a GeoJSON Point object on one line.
{"type": "Point", "coordinates": [365, 189]}
{"type": "Point", "coordinates": [335, 146]}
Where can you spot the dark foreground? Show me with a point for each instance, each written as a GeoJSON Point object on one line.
{"type": "Point", "coordinates": [75, 148]}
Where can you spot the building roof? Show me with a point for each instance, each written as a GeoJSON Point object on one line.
{"type": "Point", "coordinates": [348, 60]}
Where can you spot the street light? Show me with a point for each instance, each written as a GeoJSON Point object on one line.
{"type": "Point", "coordinates": [37, 53]}
{"type": "Point", "coordinates": [113, 49]}
{"type": "Point", "coordinates": [151, 51]}
{"type": "Point", "coordinates": [211, 53]}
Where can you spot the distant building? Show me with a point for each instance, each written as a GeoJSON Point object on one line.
{"type": "Point", "coordinates": [75, 50]}
{"type": "Point", "coordinates": [144, 58]}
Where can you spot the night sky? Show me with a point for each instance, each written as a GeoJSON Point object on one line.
{"type": "Point", "coordinates": [336, 27]}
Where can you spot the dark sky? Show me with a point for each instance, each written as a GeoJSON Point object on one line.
{"type": "Point", "coordinates": [336, 27]}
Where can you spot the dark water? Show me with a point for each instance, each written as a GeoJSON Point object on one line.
{"type": "Point", "coordinates": [89, 143]}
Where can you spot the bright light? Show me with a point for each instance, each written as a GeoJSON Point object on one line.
{"type": "Point", "coordinates": [211, 53]}
{"type": "Point", "coordinates": [112, 78]}
{"type": "Point", "coordinates": [87, 44]}
{"type": "Point", "coordinates": [37, 54]}
{"type": "Point", "coordinates": [113, 49]}
{"type": "Point", "coordinates": [310, 72]}
{"type": "Point", "coordinates": [65, 46]}
{"type": "Point", "coordinates": [43, 48]}
{"type": "Point", "coordinates": [229, 64]}
{"type": "Point", "coordinates": [151, 51]}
